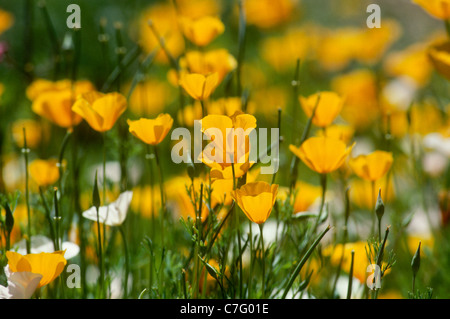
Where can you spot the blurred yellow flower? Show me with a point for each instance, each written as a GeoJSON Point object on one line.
{"type": "Point", "coordinates": [405, 62]}
{"type": "Point", "coordinates": [100, 111]}
{"type": "Point", "coordinates": [49, 265]}
{"type": "Point", "coordinates": [196, 9]}
{"type": "Point", "coordinates": [164, 19]}
{"type": "Point", "coordinates": [281, 52]}
{"type": "Point", "coordinates": [268, 99]}
{"type": "Point", "coordinates": [362, 194]}
{"type": "Point", "coordinates": [426, 118]}
{"type": "Point", "coordinates": [150, 97]}
{"type": "Point", "coordinates": [360, 264]}
{"type": "Point", "coordinates": [6, 20]}
{"type": "Point", "coordinates": [373, 166]}
{"type": "Point", "coordinates": [218, 61]}
{"type": "Point", "coordinates": [54, 100]}
{"type": "Point", "coordinates": [374, 42]}
{"type": "Point", "coordinates": [199, 86]}
{"type": "Point", "coordinates": [306, 196]}
{"type": "Point", "coordinates": [34, 131]}
{"type": "Point", "coordinates": [439, 54]}
{"type": "Point", "coordinates": [322, 154]}
{"type": "Point", "coordinates": [226, 106]}
{"type": "Point", "coordinates": [44, 172]}
{"type": "Point", "coordinates": [40, 86]}
{"type": "Point", "coordinates": [337, 48]}
{"type": "Point", "coordinates": [360, 90]}
{"type": "Point", "coordinates": [180, 196]}
{"type": "Point", "coordinates": [339, 131]}
{"type": "Point", "coordinates": [203, 30]}
{"type": "Point", "coordinates": [439, 9]}
{"type": "Point", "coordinates": [141, 203]}
{"type": "Point", "coordinates": [2, 89]}
{"type": "Point", "coordinates": [189, 114]}
{"type": "Point", "coordinates": [151, 131]}
{"type": "Point", "coordinates": [268, 13]}
{"type": "Point", "coordinates": [256, 200]}
{"type": "Point", "coordinates": [328, 108]}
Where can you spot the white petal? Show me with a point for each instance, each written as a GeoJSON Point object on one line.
{"type": "Point", "coordinates": [22, 284]}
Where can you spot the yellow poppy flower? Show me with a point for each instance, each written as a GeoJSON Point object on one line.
{"type": "Point", "coordinates": [6, 20]}
{"type": "Point", "coordinates": [439, 55]}
{"type": "Point", "coordinates": [56, 106]}
{"type": "Point", "coordinates": [199, 86]}
{"type": "Point", "coordinates": [256, 200]}
{"type": "Point", "coordinates": [329, 107]}
{"type": "Point", "coordinates": [224, 150]}
{"type": "Point", "coordinates": [203, 30]}
{"type": "Point", "coordinates": [49, 265]}
{"type": "Point", "coordinates": [373, 166]}
{"type": "Point", "coordinates": [101, 111]}
{"type": "Point", "coordinates": [151, 131]}
{"type": "Point", "coordinates": [220, 61]}
{"type": "Point", "coordinates": [439, 9]}
{"type": "Point", "coordinates": [322, 154]}
{"type": "Point", "coordinates": [44, 172]}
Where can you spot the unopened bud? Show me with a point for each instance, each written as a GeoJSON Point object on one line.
{"type": "Point", "coordinates": [379, 206]}
{"type": "Point", "coordinates": [415, 262]}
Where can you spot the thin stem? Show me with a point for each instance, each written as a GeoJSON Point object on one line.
{"type": "Point", "coordinates": [238, 233]}
{"type": "Point", "coordinates": [161, 188]}
{"type": "Point", "coordinates": [127, 262]}
{"type": "Point", "coordinates": [263, 261]}
{"type": "Point", "coordinates": [350, 277]}
{"type": "Point", "coordinates": [374, 214]}
{"type": "Point", "coordinates": [25, 151]}
{"type": "Point", "coordinates": [250, 277]}
{"type": "Point", "coordinates": [303, 261]}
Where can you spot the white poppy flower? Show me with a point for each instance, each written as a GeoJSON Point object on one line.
{"type": "Point", "coordinates": [114, 214]}
{"type": "Point", "coordinates": [42, 244]}
{"type": "Point", "coordinates": [21, 285]}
